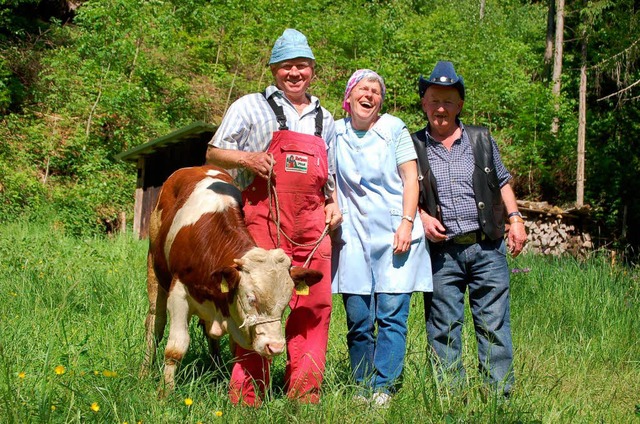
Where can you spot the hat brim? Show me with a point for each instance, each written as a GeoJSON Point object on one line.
{"type": "Point", "coordinates": [423, 84]}
{"type": "Point", "coordinates": [290, 55]}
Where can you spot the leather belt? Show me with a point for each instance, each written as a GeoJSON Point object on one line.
{"type": "Point", "coordinates": [469, 238]}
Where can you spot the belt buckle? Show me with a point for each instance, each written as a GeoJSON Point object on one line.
{"type": "Point", "coordinates": [468, 238]}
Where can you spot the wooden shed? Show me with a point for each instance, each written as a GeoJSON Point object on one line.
{"type": "Point", "coordinates": [158, 159]}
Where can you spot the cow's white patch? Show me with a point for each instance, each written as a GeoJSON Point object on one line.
{"type": "Point", "coordinates": [201, 201]}
{"type": "Point", "coordinates": [213, 173]}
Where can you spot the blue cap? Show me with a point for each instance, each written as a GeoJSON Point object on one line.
{"type": "Point", "coordinates": [443, 74]}
{"type": "Point", "coordinates": [290, 45]}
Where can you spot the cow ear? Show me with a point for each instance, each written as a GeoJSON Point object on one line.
{"type": "Point", "coordinates": [304, 275]}
{"type": "Point", "coordinates": [229, 278]}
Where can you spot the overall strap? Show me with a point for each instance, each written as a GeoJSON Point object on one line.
{"type": "Point", "coordinates": [282, 120]}
{"type": "Point", "coordinates": [319, 117]}
{"type": "Point", "coordinates": [277, 109]}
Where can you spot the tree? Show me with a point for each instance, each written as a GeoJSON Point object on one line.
{"type": "Point", "coordinates": [557, 63]}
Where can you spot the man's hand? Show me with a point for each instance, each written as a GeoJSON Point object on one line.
{"type": "Point", "coordinates": [433, 229]}
{"type": "Point", "coordinates": [260, 163]}
{"type": "Point", "coordinates": [517, 237]}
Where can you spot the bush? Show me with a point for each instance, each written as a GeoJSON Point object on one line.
{"type": "Point", "coordinates": [20, 192]}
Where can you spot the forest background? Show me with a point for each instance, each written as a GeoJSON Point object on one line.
{"type": "Point", "coordinates": [83, 81]}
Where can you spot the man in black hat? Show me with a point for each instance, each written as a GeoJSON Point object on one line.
{"type": "Point", "coordinates": [464, 193]}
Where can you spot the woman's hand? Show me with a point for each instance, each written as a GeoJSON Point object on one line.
{"type": "Point", "coordinates": [402, 237]}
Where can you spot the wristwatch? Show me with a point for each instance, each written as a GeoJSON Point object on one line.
{"type": "Point", "coordinates": [515, 217]}
{"type": "Point", "coordinates": [408, 218]}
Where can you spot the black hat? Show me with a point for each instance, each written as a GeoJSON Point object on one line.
{"type": "Point", "coordinates": [443, 74]}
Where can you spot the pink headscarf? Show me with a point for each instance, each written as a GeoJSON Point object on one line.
{"type": "Point", "coordinates": [358, 76]}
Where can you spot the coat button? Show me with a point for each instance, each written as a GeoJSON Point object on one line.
{"type": "Point", "coordinates": [480, 205]}
{"type": "Point", "coordinates": [487, 170]}
{"type": "Point", "coordinates": [253, 189]}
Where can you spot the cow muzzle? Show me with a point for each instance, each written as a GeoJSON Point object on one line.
{"type": "Point", "coordinates": [273, 349]}
{"type": "Point", "coordinates": [268, 338]}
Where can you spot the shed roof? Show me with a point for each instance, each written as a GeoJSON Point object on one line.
{"type": "Point", "coordinates": [184, 134]}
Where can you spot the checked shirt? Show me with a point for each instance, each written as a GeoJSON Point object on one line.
{"type": "Point", "coordinates": [453, 171]}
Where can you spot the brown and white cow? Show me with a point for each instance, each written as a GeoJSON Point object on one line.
{"type": "Point", "coordinates": [202, 261]}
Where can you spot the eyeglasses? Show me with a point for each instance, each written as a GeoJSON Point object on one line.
{"type": "Point", "coordinates": [443, 79]}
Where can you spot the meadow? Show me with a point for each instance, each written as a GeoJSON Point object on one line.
{"type": "Point", "coordinates": [71, 344]}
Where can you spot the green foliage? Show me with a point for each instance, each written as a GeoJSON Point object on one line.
{"type": "Point", "coordinates": [13, 23]}
{"type": "Point", "coordinates": [72, 96]}
{"type": "Point", "coordinates": [20, 191]}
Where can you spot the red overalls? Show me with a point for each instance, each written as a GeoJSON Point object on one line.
{"type": "Point", "coordinates": [300, 173]}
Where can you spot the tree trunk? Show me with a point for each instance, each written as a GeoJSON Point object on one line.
{"type": "Point", "coordinates": [557, 64]}
{"type": "Point", "coordinates": [482, 5]}
{"type": "Point", "coordinates": [548, 51]}
{"type": "Point", "coordinates": [582, 126]}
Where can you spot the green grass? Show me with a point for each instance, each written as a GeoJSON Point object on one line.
{"type": "Point", "coordinates": [81, 304]}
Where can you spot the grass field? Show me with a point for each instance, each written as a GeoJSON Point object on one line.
{"type": "Point", "coordinates": [71, 343]}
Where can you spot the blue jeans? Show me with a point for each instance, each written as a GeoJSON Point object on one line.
{"type": "Point", "coordinates": [482, 268]}
{"type": "Point", "coordinates": [377, 362]}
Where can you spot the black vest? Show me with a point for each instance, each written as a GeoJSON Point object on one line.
{"type": "Point", "coordinates": [486, 186]}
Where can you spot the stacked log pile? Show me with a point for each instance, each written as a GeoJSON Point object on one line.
{"type": "Point", "coordinates": [554, 231]}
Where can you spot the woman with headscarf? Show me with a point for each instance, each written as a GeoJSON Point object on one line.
{"type": "Point", "coordinates": [380, 255]}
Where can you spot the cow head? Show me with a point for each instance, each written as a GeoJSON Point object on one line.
{"type": "Point", "coordinates": [260, 285]}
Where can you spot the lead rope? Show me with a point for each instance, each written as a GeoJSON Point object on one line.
{"type": "Point", "coordinates": [274, 214]}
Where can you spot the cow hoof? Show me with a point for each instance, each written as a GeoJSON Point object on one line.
{"type": "Point", "coordinates": [163, 393]}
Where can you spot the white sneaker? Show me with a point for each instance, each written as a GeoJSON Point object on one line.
{"type": "Point", "coordinates": [381, 400]}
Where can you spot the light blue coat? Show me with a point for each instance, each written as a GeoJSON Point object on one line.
{"type": "Point", "coordinates": [370, 198]}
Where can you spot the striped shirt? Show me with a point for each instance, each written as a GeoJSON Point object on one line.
{"type": "Point", "coordinates": [453, 171]}
{"type": "Point", "coordinates": [249, 124]}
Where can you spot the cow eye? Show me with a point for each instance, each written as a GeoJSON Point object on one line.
{"type": "Point", "coordinates": [251, 299]}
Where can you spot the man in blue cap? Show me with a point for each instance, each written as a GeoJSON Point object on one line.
{"type": "Point", "coordinates": [464, 193]}
{"type": "Point", "coordinates": [280, 143]}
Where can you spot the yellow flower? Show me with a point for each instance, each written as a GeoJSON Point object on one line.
{"type": "Point", "coordinates": [22, 375]}
{"type": "Point", "coordinates": [108, 373]}
{"type": "Point", "coordinates": [60, 370]}
{"type": "Point", "coordinates": [218, 413]}
{"type": "Point", "coordinates": [96, 372]}
{"type": "Point", "coordinates": [95, 407]}
{"type": "Point", "coordinates": [53, 407]}
{"type": "Point", "coordinates": [188, 401]}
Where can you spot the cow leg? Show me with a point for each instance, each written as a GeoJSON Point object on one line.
{"type": "Point", "coordinates": [214, 351]}
{"type": "Point", "coordinates": [156, 317]}
{"type": "Point", "coordinates": [213, 345]}
{"type": "Point", "coordinates": [178, 342]}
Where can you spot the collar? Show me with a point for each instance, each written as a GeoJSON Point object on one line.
{"type": "Point", "coordinates": [380, 127]}
{"type": "Point", "coordinates": [432, 140]}
{"type": "Point", "coordinates": [272, 90]}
